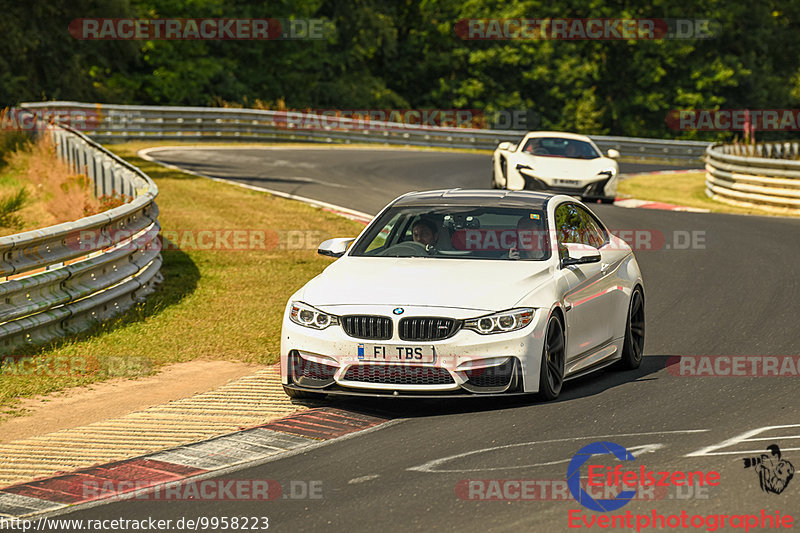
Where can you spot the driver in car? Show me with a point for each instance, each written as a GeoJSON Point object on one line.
{"type": "Point", "coordinates": [530, 243]}
{"type": "Point", "coordinates": [424, 232]}
{"type": "Point", "coordinates": [534, 146]}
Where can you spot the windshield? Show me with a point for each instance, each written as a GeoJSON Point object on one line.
{"type": "Point", "coordinates": [494, 233]}
{"type": "Point", "coordinates": [560, 147]}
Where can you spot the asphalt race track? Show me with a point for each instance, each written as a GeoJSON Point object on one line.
{"type": "Point", "coordinates": [735, 292]}
{"type": "Point", "coordinates": [364, 179]}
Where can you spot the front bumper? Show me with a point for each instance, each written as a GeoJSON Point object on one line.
{"type": "Point", "coordinates": [339, 391]}
{"type": "Point", "coordinates": [467, 363]}
{"type": "Point", "coordinates": [591, 190]}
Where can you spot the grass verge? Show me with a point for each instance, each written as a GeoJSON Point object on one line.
{"type": "Point", "coordinates": [216, 302]}
{"type": "Point", "coordinates": [687, 189]}
{"type": "Point", "coordinates": [38, 190]}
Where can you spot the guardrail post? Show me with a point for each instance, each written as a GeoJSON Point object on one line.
{"type": "Point", "coordinates": [107, 184]}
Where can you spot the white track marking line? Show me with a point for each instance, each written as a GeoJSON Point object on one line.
{"type": "Point", "coordinates": [362, 479]}
{"type": "Point", "coordinates": [430, 466]}
{"type": "Point", "coordinates": [744, 437]}
{"type": "Point", "coordinates": [745, 452]}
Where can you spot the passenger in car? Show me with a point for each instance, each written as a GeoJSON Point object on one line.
{"type": "Point", "coordinates": [572, 150]}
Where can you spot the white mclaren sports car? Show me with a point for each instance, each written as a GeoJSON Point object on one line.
{"type": "Point", "coordinates": [566, 163]}
{"type": "Point", "coordinates": [466, 293]}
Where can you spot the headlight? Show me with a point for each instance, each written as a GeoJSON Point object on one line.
{"type": "Point", "coordinates": [307, 316]}
{"type": "Point", "coordinates": [504, 322]}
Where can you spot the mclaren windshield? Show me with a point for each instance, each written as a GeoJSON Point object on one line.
{"type": "Point", "coordinates": [560, 147]}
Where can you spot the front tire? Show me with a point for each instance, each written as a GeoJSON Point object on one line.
{"type": "Point", "coordinates": [633, 349]}
{"type": "Point", "coordinates": [551, 375]}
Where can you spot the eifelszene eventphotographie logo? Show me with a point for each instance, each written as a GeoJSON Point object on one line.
{"type": "Point", "coordinates": [774, 472]}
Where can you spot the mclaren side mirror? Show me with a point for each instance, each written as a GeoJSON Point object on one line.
{"type": "Point", "coordinates": [505, 145]}
{"type": "Point", "coordinates": [613, 154]}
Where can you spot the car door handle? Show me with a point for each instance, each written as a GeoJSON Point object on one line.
{"type": "Point", "coordinates": [604, 267]}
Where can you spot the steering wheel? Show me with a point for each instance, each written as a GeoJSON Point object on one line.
{"type": "Point", "coordinates": [409, 249]}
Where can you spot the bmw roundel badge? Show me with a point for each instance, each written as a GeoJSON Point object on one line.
{"type": "Point", "coordinates": [398, 310]}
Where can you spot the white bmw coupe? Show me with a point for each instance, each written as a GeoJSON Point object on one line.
{"type": "Point", "coordinates": [558, 162]}
{"type": "Point", "coordinates": [466, 293]}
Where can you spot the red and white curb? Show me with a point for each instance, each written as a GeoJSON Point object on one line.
{"type": "Point", "coordinates": [648, 204]}
{"type": "Point", "coordinates": [287, 434]}
{"type": "Point", "coordinates": [658, 172]}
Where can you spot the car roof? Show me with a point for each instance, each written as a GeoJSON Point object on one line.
{"type": "Point", "coordinates": [476, 197]}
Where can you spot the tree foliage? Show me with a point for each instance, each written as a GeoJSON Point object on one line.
{"type": "Point", "coordinates": [407, 54]}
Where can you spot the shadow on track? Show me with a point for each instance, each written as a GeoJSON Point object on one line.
{"type": "Point", "coordinates": [405, 407]}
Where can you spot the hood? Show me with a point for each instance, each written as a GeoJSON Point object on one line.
{"type": "Point", "coordinates": [467, 284]}
{"type": "Point", "coordinates": [562, 167]}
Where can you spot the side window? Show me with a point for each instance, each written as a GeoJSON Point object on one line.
{"type": "Point", "coordinates": [592, 232]}
{"type": "Point", "coordinates": [568, 224]}
{"type": "Point", "coordinates": [381, 240]}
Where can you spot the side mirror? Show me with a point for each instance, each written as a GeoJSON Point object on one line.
{"type": "Point", "coordinates": [335, 247]}
{"type": "Point", "coordinates": [579, 254]}
{"type": "Point", "coordinates": [505, 145]}
{"type": "Point", "coordinates": [613, 154]}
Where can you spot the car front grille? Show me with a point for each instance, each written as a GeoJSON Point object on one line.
{"type": "Point", "coordinates": [399, 375]}
{"type": "Point", "coordinates": [368, 326]}
{"type": "Point", "coordinates": [425, 328]}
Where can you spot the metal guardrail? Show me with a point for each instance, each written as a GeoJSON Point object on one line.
{"type": "Point", "coordinates": [763, 175]}
{"type": "Point", "coordinates": [65, 278]}
{"type": "Point", "coordinates": [110, 123]}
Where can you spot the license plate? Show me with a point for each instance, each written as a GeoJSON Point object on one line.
{"type": "Point", "coordinates": [572, 183]}
{"type": "Point", "coordinates": [393, 353]}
